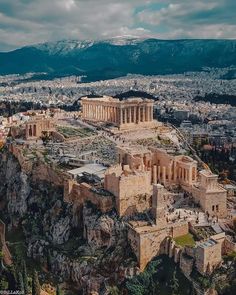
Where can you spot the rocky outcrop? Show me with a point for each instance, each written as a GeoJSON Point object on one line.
{"type": "Point", "coordinates": [79, 244]}
{"type": "Point", "coordinates": [103, 230]}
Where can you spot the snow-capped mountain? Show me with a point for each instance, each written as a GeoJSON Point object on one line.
{"type": "Point", "coordinates": [64, 47]}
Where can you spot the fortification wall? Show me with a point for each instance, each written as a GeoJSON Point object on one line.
{"type": "Point", "coordinates": [148, 242]}
{"type": "Point", "coordinates": [134, 194]}
{"type": "Point", "coordinates": [208, 258]}
{"type": "Point", "coordinates": [26, 165]}
{"type": "Point", "coordinates": [78, 194]}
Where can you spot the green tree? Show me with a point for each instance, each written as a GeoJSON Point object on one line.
{"type": "Point", "coordinates": [35, 284]}
{"type": "Point", "coordinates": [3, 284]}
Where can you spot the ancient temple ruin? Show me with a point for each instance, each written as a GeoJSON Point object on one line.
{"type": "Point", "coordinates": [126, 113]}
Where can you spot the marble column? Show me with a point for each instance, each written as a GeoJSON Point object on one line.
{"type": "Point", "coordinates": [149, 113]}
{"type": "Point", "coordinates": [139, 114]}
{"type": "Point", "coordinates": [169, 173]}
{"type": "Point", "coordinates": [108, 113]}
{"type": "Point", "coordinates": [135, 115]}
{"type": "Point", "coordinates": [113, 114]}
{"type": "Point", "coordinates": [175, 172]}
{"type": "Point", "coordinates": [159, 173]}
{"type": "Point", "coordinates": [99, 112]}
{"type": "Point", "coordinates": [147, 117]}
{"type": "Point", "coordinates": [180, 174]}
{"type": "Point", "coordinates": [190, 176]}
{"type": "Point", "coordinates": [154, 173]}
{"type": "Point", "coordinates": [96, 112]}
{"type": "Point", "coordinates": [164, 174]}
{"type": "Point", "coordinates": [116, 115]}
{"type": "Point", "coordinates": [104, 113]}
{"type": "Point", "coordinates": [121, 116]}
{"type": "Point", "coordinates": [125, 115]}
{"type": "Point", "coordinates": [130, 114]}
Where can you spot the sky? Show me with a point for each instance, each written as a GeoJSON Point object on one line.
{"type": "Point", "coordinates": [26, 22]}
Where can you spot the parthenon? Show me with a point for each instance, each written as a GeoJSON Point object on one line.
{"type": "Point", "coordinates": [129, 112]}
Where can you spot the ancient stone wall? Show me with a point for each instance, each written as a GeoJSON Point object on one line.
{"type": "Point", "coordinates": [132, 190]}
{"type": "Point", "coordinates": [83, 192]}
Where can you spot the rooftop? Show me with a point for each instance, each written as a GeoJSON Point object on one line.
{"type": "Point", "coordinates": [208, 173]}
{"type": "Point", "coordinates": [95, 169]}
{"type": "Point", "coordinates": [208, 243]}
{"type": "Point", "coordinates": [112, 99]}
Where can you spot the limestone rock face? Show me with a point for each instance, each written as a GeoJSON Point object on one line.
{"type": "Point", "coordinates": [60, 230]}
{"type": "Point", "coordinates": [36, 248]}
{"type": "Point", "coordinates": [17, 194]}
{"type": "Point", "coordinates": [15, 189]}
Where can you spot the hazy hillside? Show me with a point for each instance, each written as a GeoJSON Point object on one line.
{"type": "Point", "coordinates": [118, 57]}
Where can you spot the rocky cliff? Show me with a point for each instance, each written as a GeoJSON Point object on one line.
{"type": "Point", "coordinates": [90, 252]}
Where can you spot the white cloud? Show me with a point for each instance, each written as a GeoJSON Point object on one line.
{"type": "Point", "coordinates": [194, 19]}
{"type": "Point", "coordinates": [25, 22]}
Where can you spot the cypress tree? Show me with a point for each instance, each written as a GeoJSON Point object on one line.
{"type": "Point", "coordinates": [20, 282]}
{"type": "Point", "coordinates": [25, 278]}
{"type": "Point", "coordinates": [174, 284]}
{"type": "Point", "coordinates": [58, 290]}
{"type": "Point", "coordinates": [35, 284]}
{"type": "Point", "coordinates": [49, 260]}
{"type": "Point", "coordinates": [12, 278]}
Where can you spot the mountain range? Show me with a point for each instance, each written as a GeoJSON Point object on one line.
{"type": "Point", "coordinates": [100, 60]}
